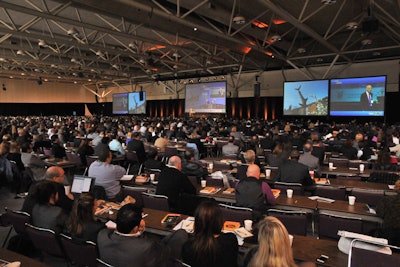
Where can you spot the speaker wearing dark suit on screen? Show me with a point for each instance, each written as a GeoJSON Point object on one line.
{"type": "Point", "coordinates": [366, 98]}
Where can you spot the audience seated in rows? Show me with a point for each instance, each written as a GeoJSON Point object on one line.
{"type": "Point", "coordinates": [291, 171]}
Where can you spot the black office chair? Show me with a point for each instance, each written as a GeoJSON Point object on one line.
{"type": "Point", "coordinates": [157, 202]}
{"type": "Point", "coordinates": [135, 192]}
{"type": "Point", "coordinates": [330, 224]}
{"type": "Point", "coordinates": [46, 240]}
{"type": "Point", "coordinates": [17, 220]}
{"type": "Point", "coordinates": [80, 253]}
{"type": "Point", "coordinates": [237, 214]}
{"type": "Point", "coordinates": [295, 221]}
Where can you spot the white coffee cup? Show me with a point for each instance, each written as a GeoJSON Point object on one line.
{"type": "Point", "coordinates": [330, 165]}
{"type": "Point", "coordinates": [67, 189]}
{"type": "Point", "coordinates": [362, 168]}
{"type": "Point", "coordinates": [291, 240]}
{"type": "Point", "coordinates": [289, 193]}
{"type": "Point", "coordinates": [352, 200]}
{"type": "Point", "coordinates": [268, 172]}
{"type": "Point", "coordinates": [311, 174]}
{"type": "Point", "coordinates": [248, 225]}
{"type": "Point", "coordinates": [211, 166]}
{"type": "Point", "coordinates": [203, 183]}
{"type": "Point", "coordinates": [152, 176]}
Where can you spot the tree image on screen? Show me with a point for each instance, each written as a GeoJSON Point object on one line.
{"type": "Point", "coordinates": [307, 98]}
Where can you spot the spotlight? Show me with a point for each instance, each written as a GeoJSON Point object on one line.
{"type": "Point", "coordinates": [4, 87]}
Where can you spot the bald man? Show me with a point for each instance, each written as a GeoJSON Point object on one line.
{"type": "Point", "coordinates": [172, 182]}
{"type": "Point", "coordinates": [56, 175]}
{"type": "Point", "coordinates": [253, 193]}
{"type": "Point", "coordinates": [366, 98]}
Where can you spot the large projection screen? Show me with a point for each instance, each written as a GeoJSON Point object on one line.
{"type": "Point", "coordinates": [205, 97]}
{"type": "Point", "coordinates": [348, 96]}
{"type": "Point", "coordinates": [306, 98]}
{"type": "Point", "coordinates": [137, 103]}
{"type": "Point", "coordinates": [120, 103]}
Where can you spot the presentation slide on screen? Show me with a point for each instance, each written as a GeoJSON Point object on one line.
{"type": "Point", "coordinates": [363, 96]}
{"type": "Point", "coordinates": [306, 98]}
{"type": "Point", "coordinates": [206, 97]}
{"type": "Point", "coordinates": [120, 103]}
{"type": "Point", "coordinates": [137, 105]}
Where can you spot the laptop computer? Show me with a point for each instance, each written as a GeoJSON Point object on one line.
{"type": "Point", "coordinates": [81, 184]}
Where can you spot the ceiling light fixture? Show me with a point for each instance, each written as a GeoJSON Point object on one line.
{"type": "Point", "coordinates": [301, 50]}
{"type": "Point", "coordinates": [352, 25]}
{"type": "Point", "coordinates": [328, 2]}
{"type": "Point", "coordinates": [366, 42]}
{"type": "Point", "coordinates": [20, 52]}
{"type": "Point", "coordinates": [72, 32]}
{"type": "Point", "coordinates": [239, 19]}
{"type": "Point", "coordinates": [42, 43]}
{"type": "Point", "coordinates": [276, 37]}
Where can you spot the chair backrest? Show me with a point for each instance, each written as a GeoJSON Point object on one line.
{"type": "Point", "coordinates": [368, 196]}
{"type": "Point", "coordinates": [330, 224]}
{"type": "Point", "coordinates": [17, 219]}
{"type": "Point", "coordinates": [352, 178]}
{"type": "Point", "coordinates": [135, 192]}
{"type": "Point", "coordinates": [296, 222]}
{"type": "Point", "coordinates": [74, 158]}
{"type": "Point", "coordinates": [360, 257]}
{"type": "Point", "coordinates": [214, 182]}
{"type": "Point", "coordinates": [90, 160]}
{"type": "Point", "coordinates": [45, 240]}
{"type": "Point", "coordinates": [220, 166]}
{"type": "Point", "coordinates": [157, 202]}
{"type": "Point", "coordinates": [331, 192]}
{"type": "Point", "coordinates": [383, 177]}
{"type": "Point", "coordinates": [82, 253]}
{"type": "Point", "coordinates": [131, 157]}
{"type": "Point", "coordinates": [296, 187]}
{"type": "Point", "coordinates": [170, 151]}
{"type": "Point", "coordinates": [237, 214]}
{"type": "Point", "coordinates": [339, 162]}
{"type": "Point", "coordinates": [194, 180]}
{"type": "Point", "coordinates": [156, 173]}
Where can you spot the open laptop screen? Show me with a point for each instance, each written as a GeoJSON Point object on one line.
{"type": "Point", "coordinates": [81, 184]}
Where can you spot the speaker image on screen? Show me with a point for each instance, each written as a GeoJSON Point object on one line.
{"type": "Point", "coordinates": [141, 95]}
{"type": "Point", "coordinates": [257, 89]}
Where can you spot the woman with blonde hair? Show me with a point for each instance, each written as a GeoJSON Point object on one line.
{"type": "Point", "coordinates": [274, 247]}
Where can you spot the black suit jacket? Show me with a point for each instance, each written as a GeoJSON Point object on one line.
{"type": "Point", "coordinates": [138, 147]}
{"type": "Point", "coordinates": [172, 183]}
{"type": "Point", "coordinates": [293, 172]}
{"type": "Point", "coordinates": [365, 104]}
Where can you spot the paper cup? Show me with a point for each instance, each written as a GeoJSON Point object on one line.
{"type": "Point", "coordinates": [211, 166]}
{"type": "Point", "coordinates": [311, 174]}
{"type": "Point", "coordinates": [352, 200]}
{"type": "Point", "coordinates": [330, 165]}
{"type": "Point", "coordinates": [362, 168]}
{"type": "Point", "coordinates": [67, 189]}
{"type": "Point", "coordinates": [152, 177]}
{"type": "Point", "coordinates": [291, 240]}
{"type": "Point", "coordinates": [248, 225]}
{"type": "Point", "coordinates": [203, 183]}
{"type": "Point", "coordinates": [289, 193]}
{"type": "Point", "coordinates": [268, 172]}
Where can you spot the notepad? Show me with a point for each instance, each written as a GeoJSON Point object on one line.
{"type": "Point", "coordinates": [229, 191]}
{"type": "Point", "coordinates": [209, 190]}
{"type": "Point", "coordinates": [231, 226]}
{"type": "Point", "coordinates": [171, 218]}
{"type": "Point", "coordinates": [126, 177]}
{"type": "Point", "coordinates": [322, 199]}
{"type": "Point", "coordinates": [243, 233]}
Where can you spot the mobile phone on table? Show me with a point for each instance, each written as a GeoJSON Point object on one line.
{"type": "Point", "coordinates": [322, 258]}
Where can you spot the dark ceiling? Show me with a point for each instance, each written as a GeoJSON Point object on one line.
{"type": "Point", "coordinates": [127, 41]}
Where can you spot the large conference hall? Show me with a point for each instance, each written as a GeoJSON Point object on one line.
{"type": "Point", "coordinates": [199, 133]}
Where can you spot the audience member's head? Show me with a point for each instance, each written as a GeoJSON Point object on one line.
{"type": "Point", "coordinates": [26, 147]}
{"type": "Point", "coordinates": [253, 171]}
{"type": "Point", "coordinates": [208, 223]}
{"type": "Point", "coordinates": [104, 154]}
{"type": "Point", "coordinates": [175, 161]}
{"type": "Point", "coordinates": [189, 154]}
{"type": "Point", "coordinates": [82, 211]}
{"type": "Point", "coordinates": [55, 174]}
{"type": "Point", "coordinates": [273, 245]}
{"type": "Point", "coordinates": [249, 156]}
{"type": "Point", "coordinates": [231, 139]}
{"type": "Point", "coordinates": [397, 186]}
{"type": "Point", "coordinates": [307, 147]}
{"type": "Point", "coordinates": [129, 218]}
{"type": "Point", "coordinates": [45, 192]}
{"type": "Point", "coordinates": [294, 154]}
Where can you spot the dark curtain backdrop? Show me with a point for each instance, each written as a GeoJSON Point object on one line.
{"type": "Point", "coordinates": [267, 108]}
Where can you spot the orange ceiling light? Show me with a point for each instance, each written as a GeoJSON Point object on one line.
{"type": "Point", "coordinates": [156, 47]}
{"type": "Point", "coordinates": [268, 53]}
{"type": "Point", "coordinates": [246, 50]}
{"type": "Point", "coordinates": [259, 24]}
{"type": "Point", "coordinates": [279, 21]}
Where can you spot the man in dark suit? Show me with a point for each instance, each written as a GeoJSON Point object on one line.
{"type": "Point", "coordinates": [292, 171]}
{"type": "Point", "coordinates": [126, 246]}
{"type": "Point", "coordinates": [137, 145]}
{"type": "Point", "coordinates": [172, 182]}
{"type": "Point", "coordinates": [366, 98]}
